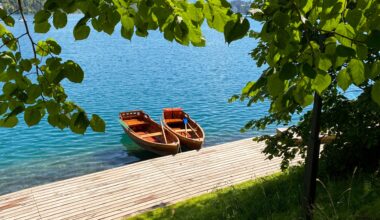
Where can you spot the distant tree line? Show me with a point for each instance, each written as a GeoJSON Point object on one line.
{"type": "Point", "coordinates": [30, 6]}
{"type": "Point", "coordinates": [240, 6]}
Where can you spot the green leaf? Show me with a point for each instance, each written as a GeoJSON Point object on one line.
{"type": "Point", "coordinates": [247, 88]}
{"type": "Point", "coordinates": [96, 24]}
{"type": "Point", "coordinates": [53, 46]}
{"type": "Point", "coordinates": [354, 18]}
{"type": "Point", "coordinates": [288, 71]}
{"type": "Point", "coordinates": [26, 65]}
{"type": "Point", "coordinates": [33, 91]}
{"type": "Point", "coordinates": [344, 79]}
{"type": "Point", "coordinates": [9, 21]}
{"type": "Point", "coordinates": [362, 51]}
{"type": "Point", "coordinates": [60, 121]}
{"type": "Point", "coordinates": [321, 82]}
{"type": "Point", "coordinates": [42, 48]}
{"type": "Point", "coordinates": [275, 85]}
{"type": "Point", "coordinates": [281, 19]}
{"type": "Point", "coordinates": [3, 107]}
{"type": "Point", "coordinates": [235, 30]}
{"type": "Point", "coordinates": [81, 32]}
{"type": "Point", "coordinates": [347, 31]}
{"type": "Point", "coordinates": [217, 17]}
{"type": "Point", "coordinates": [281, 39]}
{"type": "Point", "coordinates": [52, 107]}
{"type": "Point", "coordinates": [344, 51]}
{"type": "Point", "coordinates": [330, 24]}
{"type": "Point", "coordinates": [308, 71]}
{"type": "Point", "coordinates": [324, 62]}
{"type": "Point", "coordinates": [10, 41]}
{"type": "Point", "coordinates": [9, 88]}
{"type": "Point", "coordinates": [372, 70]}
{"type": "Point", "coordinates": [356, 70]}
{"type": "Point", "coordinates": [59, 19]}
{"type": "Point", "coordinates": [307, 6]}
{"type": "Point", "coordinates": [73, 71]}
{"type": "Point", "coordinates": [373, 39]}
{"type": "Point", "coordinates": [375, 92]}
{"type": "Point", "coordinates": [41, 16]}
{"type": "Point", "coordinates": [127, 28]}
{"type": "Point", "coordinates": [53, 120]}
{"type": "Point", "coordinates": [79, 123]}
{"type": "Point", "coordinates": [43, 27]}
{"type": "Point", "coordinates": [97, 124]}
{"type": "Point", "coordinates": [230, 100]}
{"type": "Point", "coordinates": [32, 116]}
{"type": "Point", "coordinates": [9, 122]}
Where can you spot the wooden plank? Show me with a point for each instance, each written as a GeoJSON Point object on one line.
{"type": "Point", "coordinates": [141, 186]}
{"type": "Point", "coordinates": [220, 170]}
{"type": "Point", "coordinates": [91, 196]}
{"type": "Point", "coordinates": [151, 134]}
{"type": "Point", "coordinates": [95, 179]}
{"type": "Point", "coordinates": [173, 120]}
{"type": "Point", "coordinates": [113, 197]}
{"type": "Point", "coordinates": [134, 122]}
{"type": "Point", "coordinates": [19, 207]}
{"type": "Point", "coordinates": [114, 200]}
{"type": "Point", "coordinates": [89, 178]}
{"type": "Point", "coordinates": [69, 188]}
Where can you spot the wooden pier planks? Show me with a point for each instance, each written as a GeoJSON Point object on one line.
{"type": "Point", "coordinates": [141, 186]}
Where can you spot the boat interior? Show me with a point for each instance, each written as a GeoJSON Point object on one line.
{"type": "Point", "coordinates": [174, 119]}
{"type": "Point", "coordinates": [145, 128]}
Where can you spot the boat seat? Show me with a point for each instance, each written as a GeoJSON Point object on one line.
{"type": "Point", "coordinates": [184, 130]}
{"type": "Point", "coordinates": [173, 120]}
{"type": "Point", "coordinates": [134, 122]}
{"type": "Point", "coordinates": [151, 135]}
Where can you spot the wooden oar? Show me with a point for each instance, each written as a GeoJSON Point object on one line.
{"type": "Point", "coordinates": [163, 131]}
{"type": "Point", "coordinates": [185, 121]}
{"type": "Point", "coordinates": [193, 130]}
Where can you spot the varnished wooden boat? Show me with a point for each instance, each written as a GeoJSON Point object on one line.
{"type": "Point", "coordinates": [148, 134]}
{"type": "Point", "coordinates": [191, 136]}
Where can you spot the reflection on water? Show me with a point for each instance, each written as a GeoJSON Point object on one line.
{"type": "Point", "coordinates": [134, 150]}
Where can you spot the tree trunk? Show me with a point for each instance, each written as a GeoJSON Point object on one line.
{"type": "Point", "coordinates": [311, 164]}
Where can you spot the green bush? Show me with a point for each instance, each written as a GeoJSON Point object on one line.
{"type": "Point", "coordinates": [356, 125]}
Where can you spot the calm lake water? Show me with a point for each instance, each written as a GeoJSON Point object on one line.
{"type": "Point", "coordinates": [146, 73]}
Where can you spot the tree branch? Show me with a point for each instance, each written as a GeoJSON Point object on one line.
{"type": "Point", "coordinates": [333, 32]}
{"type": "Point", "coordinates": [6, 42]}
{"type": "Point", "coordinates": [31, 41]}
{"type": "Point", "coordinates": [28, 32]}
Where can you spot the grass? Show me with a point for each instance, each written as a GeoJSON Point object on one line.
{"type": "Point", "coordinates": [278, 197]}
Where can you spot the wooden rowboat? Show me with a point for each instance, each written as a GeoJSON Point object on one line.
{"type": "Point", "coordinates": [190, 135]}
{"type": "Point", "coordinates": [148, 134]}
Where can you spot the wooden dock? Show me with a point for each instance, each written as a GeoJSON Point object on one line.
{"type": "Point", "coordinates": [138, 187]}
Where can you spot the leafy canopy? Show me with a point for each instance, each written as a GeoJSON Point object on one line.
{"type": "Point", "coordinates": [312, 46]}
{"type": "Point", "coordinates": [308, 47]}
{"type": "Point", "coordinates": [33, 86]}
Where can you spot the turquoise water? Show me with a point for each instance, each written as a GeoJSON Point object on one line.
{"type": "Point", "coordinates": [147, 74]}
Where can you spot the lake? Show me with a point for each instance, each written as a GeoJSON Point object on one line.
{"type": "Point", "coordinates": [145, 73]}
{"type": "Point", "coordinates": [120, 75]}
